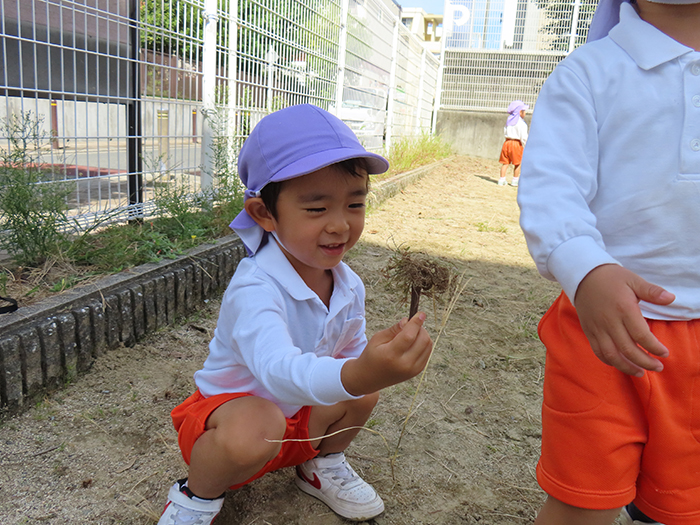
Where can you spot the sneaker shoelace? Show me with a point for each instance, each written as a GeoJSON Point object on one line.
{"type": "Point", "coordinates": [343, 472]}
{"type": "Point", "coordinates": [185, 516]}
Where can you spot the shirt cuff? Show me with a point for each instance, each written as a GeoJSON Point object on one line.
{"type": "Point", "coordinates": [572, 260]}
{"type": "Point", "coordinates": [327, 386]}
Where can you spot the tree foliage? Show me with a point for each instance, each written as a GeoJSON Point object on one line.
{"type": "Point", "coordinates": [264, 28]}
{"type": "Point", "coordinates": [559, 15]}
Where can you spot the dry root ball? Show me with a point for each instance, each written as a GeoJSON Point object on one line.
{"type": "Point", "coordinates": [417, 273]}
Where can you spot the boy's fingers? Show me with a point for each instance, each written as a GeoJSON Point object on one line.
{"type": "Point", "coordinates": [402, 333]}
{"type": "Point", "coordinates": [638, 358]}
{"type": "Point", "coordinates": [411, 329]}
{"type": "Point", "coordinates": [652, 293]}
{"type": "Point", "coordinates": [642, 336]}
{"type": "Point", "coordinates": [425, 349]}
{"type": "Point", "coordinates": [388, 334]}
{"type": "Point", "coordinates": [625, 354]}
{"type": "Point", "coordinates": [398, 327]}
{"type": "Point", "coordinates": [610, 354]}
{"type": "Point", "coordinates": [422, 346]}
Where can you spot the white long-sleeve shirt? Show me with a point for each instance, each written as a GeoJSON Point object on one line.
{"type": "Point", "coordinates": [611, 171]}
{"type": "Point", "coordinates": [277, 340]}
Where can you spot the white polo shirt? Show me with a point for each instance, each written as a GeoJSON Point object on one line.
{"type": "Point", "coordinates": [611, 171]}
{"type": "Point", "coordinates": [277, 340]}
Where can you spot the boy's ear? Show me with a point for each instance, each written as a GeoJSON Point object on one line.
{"type": "Point", "coordinates": [255, 207]}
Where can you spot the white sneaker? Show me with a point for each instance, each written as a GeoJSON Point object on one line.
{"type": "Point", "coordinates": [627, 519]}
{"type": "Point", "coordinates": [514, 182]}
{"type": "Point", "coordinates": [183, 510]}
{"type": "Point", "coordinates": [336, 484]}
{"type": "Point", "coordinates": [502, 181]}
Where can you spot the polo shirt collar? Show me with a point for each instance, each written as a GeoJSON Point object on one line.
{"type": "Point", "coordinates": [647, 46]}
{"type": "Point", "coordinates": [272, 261]}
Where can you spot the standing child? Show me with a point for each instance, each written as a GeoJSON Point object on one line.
{"type": "Point", "coordinates": [610, 206]}
{"type": "Point", "coordinates": [515, 131]}
{"type": "Point", "coordinates": [289, 359]}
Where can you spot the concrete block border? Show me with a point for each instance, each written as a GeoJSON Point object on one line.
{"type": "Point", "coordinates": [54, 341]}
{"type": "Point", "coordinates": [45, 345]}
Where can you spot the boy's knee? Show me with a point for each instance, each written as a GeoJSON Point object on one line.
{"type": "Point", "coordinates": [254, 440]}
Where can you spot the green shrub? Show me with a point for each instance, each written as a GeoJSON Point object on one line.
{"type": "Point", "coordinates": [182, 219]}
{"type": "Point", "coordinates": [32, 204]}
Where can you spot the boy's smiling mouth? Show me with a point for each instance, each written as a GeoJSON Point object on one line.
{"type": "Point", "coordinates": [333, 248]}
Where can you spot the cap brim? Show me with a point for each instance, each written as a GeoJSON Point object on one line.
{"type": "Point", "coordinates": [375, 163]}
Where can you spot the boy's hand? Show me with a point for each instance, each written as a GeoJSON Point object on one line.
{"type": "Point", "coordinates": [390, 357]}
{"type": "Point", "coordinates": [607, 305]}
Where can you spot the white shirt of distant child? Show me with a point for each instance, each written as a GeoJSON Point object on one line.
{"type": "Point", "coordinates": [518, 131]}
{"type": "Point", "coordinates": [276, 339]}
{"type": "Point", "coordinates": [643, 211]}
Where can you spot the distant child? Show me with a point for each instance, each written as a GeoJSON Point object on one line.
{"type": "Point", "coordinates": [610, 207]}
{"type": "Point", "coordinates": [289, 359]}
{"type": "Point", "coordinates": [515, 131]}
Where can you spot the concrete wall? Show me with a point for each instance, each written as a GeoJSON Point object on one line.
{"type": "Point", "coordinates": [475, 133]}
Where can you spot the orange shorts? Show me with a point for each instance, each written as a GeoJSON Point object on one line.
{"type": "Point", "coordinates": [190, 418]}
{"type": "Point", "coordinates": [512, 152]}
{"type": "Point", "coordinates": [609, 438]}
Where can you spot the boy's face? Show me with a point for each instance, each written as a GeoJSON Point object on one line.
{"type": "Point", "coordinates": [320, 216]}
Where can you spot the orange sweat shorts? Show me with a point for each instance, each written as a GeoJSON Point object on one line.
{"type": "Point", "coordinates": [609, 438]}
{"type": "Point", "coordinates": [190, 418]}
{"type": "Point", "coordinates": [511, 152]}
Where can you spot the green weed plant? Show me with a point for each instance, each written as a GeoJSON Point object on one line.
{"type": "Point", "coordinates": [32, 201]}
{"type": "Point", "coordinates": [182, 219]}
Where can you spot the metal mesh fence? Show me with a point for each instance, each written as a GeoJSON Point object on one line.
{"type": "Point", "coordinates": [496, 51]}
{"type": "Point", "coordinates": [413, 101]}
{"type": "Point", "coordinates": [134, 96]}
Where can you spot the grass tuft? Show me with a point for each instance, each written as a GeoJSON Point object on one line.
{"type": "Point", "coordinates": [408, 153]}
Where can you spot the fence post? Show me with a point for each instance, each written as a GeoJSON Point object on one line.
{"type": "Point", "coordinates": [392, 88]}
{"type": "Point", "coordinates": [211, 19]}
{"type": "Point", "coordinates": [574, 25]}
{"type": "Point", "coordinates": [270, 58]}
{"type": "Point", "coordinates": [134, 145]}
{"type": "Point", "coordinates": [446, 26]}
{"type": "Point", "coordinates": [421, 81]}
{"type": "Point", "coordinates": [342, 51]}
{"type": "Point", "coordinates": [194, 126]}
{"type": "Point", "coordinates": [163, 116]}
{"type": "Point", "coordinates": [232, 80]}
{"type": "Point", "coordinates": [54, 125]}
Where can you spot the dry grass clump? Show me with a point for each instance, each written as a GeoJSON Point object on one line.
{"type": "Point", "coordinates": [416, 273]}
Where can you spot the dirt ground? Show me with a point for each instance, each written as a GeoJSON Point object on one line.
{"type": "Point", "coordinates": [103, 450]}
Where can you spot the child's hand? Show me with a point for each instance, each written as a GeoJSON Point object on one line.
{"type": "Point", "coordinates": [390, 357]}
{"type": "Point", "coordinates": [607, 305]}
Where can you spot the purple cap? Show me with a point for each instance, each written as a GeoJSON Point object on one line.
{"type": "Point", "coordinates": [289, 143]}
{"type": "Point", "coordinates": [514, 110]}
